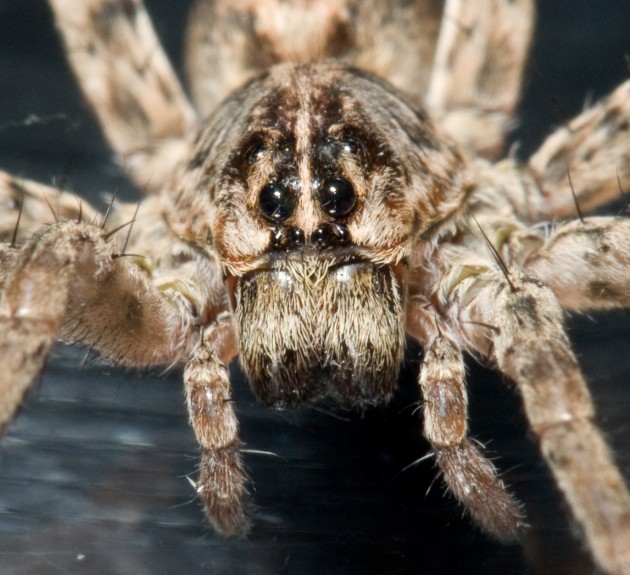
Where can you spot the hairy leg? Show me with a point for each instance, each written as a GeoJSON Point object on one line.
{"type": "Point", "coordinates": [467, 473]}
{"type": "Point", "coordinates": [589, 158]}
{"type": "Point", "coordinates": [27, 205]}
{"type": "Point", "coordinates": [129, 82]}
{"type": "Point", "coordinates": [585, 162]}
{"type": "Point", "coordinates": [476, 79]}
{"type": "Point", "coordinates": [586, 263]}
{"type": "Point", "coordinates": [70, 280]}
{"type": "Point", "coordinates": [230, 42]}
{"type": "Point", "coordinates": [519, 324]}
{"type": "Point", "coordinates": [221, 483]}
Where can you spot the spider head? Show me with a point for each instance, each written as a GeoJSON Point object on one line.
{"type": "Point", "coordinates": [311, 185]}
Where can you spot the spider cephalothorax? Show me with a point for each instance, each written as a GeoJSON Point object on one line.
{"type": "Point", "coordinates": [295, 173]}
{"type": "Point", "coordinates": [312, 212]}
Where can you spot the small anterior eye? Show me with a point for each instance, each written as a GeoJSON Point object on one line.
{"type": "Point", "coordinates": [255, 152]}
{"type": "Point", "coordinates": [337, 197]}
{"type": "Point", "coordinates": [276, 202]}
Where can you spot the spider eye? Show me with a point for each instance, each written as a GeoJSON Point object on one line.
{"type": "Point", "coordinates": [287, 238]}
{"type": "Point", "coordinates": [351, 146]}
{"type": "Point", "coordinates": [255, 152]}
{"type": "Point", "coordinates": [337, 197]}
{"type": "Point", "coordinates": [328, 235]}
{"type": "Point", "coordinates": [276, 202]}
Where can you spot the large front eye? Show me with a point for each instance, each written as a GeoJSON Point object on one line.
{"type": "Point", "coordinates": [276, 202]}
{"type": "Point", "coordinates": [337, 197]}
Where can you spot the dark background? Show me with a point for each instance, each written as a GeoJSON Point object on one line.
{"type": "Point", "coordinates": [93, 471]}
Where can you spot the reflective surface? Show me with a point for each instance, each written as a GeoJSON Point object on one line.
{"type": "Point", "coordinates": [93, 471]}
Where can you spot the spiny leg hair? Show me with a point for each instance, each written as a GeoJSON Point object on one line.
{"type": "Point", "coordinates": [470, 476]}
{"type": "Point", "coordinates": [518, 323]}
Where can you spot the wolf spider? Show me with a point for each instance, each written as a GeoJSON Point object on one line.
{"type": "Point", "coordinates": [308, 213]}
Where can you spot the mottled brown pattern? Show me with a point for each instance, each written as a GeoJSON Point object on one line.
{"type": "Point", "coordinates": [310, 212]}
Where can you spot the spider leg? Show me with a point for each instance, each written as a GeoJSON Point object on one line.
{"type": "Point", "coordinates": [529, 344]}
{"type": "Point", "coordinates": [221, 483]}
{"type": "Point", "coordinates": [588, 159]}
{"type": "Point", "coordinates": [68, 281]}
{"type": "Point", "coordinates": [231, 42]}
{"type": "Point", "coordinates": [586, 264]}
{"type": "Point", "coordinates": [129, 82]}
{"type": "Point", "coordinates": [35, 204]}
{"type": "Point", "coordinates": [586, 162]}
{"type": "Point", "coordinates": [479, 61]}
{"type": "Point", "coordinates": [468, 474]}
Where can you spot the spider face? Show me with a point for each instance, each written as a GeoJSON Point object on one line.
{"type": "Point", "coordinates": [298, 170]}
{"type": "Point", "coordinates": [318, 155]}
{"type": "Point", "coordinates": [318, 215]}
{"type": "Point", "coordinates": [310, 174]}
